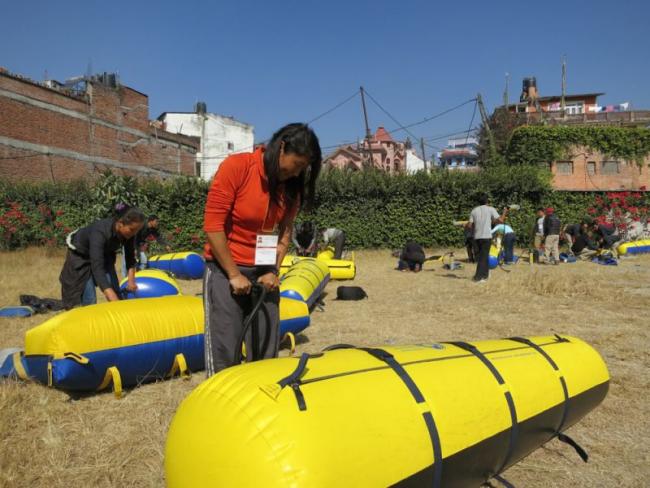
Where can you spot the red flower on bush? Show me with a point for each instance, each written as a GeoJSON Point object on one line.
{"type": "Point", "coordinates": [177, 230]}
{"type": "Point", "coordinates": [59, 213]}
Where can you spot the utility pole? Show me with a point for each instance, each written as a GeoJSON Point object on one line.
{"type": "Point", "coordinates": [424, 155]}
{"type": "Point", "coordinates": [506, 95]}
{"type": "Point", "coordinates": [562, 101]}
{"type": "Point", "coordinates": [486, 124]}
{"type": "Point", "coordinates": [369, 162]}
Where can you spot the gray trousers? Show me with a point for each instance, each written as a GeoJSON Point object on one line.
{"type": "Point", "coordinates": [224, 320]}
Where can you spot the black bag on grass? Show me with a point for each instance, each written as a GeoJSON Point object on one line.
{"type": "Point", "coordinates": [350, 293]}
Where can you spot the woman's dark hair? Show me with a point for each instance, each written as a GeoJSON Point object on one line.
{"type": "Point", "coordinates": [301, 140]}
{"type": "Point", "coordinates": [130, 215]}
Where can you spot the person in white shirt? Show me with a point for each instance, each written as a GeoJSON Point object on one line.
{"type": "Point", "coordinates": [336, 237]}
{"type": "Point", "coordinates": [481, 220]}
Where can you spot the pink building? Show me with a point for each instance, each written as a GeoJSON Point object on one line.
{"type": "Point", "coordinates": [387, 155]}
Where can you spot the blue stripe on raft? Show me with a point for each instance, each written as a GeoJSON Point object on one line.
{"type": "Point", "coordinates": [137, 364]}
{"type": "Point", "coordinates": [637, 249]}
{"type": "Point", "coordinates": [190, 267]}
{"type": "Point", "coordinates": [295, 325]}
{"type": "Point", "coordinates": [149, 287]}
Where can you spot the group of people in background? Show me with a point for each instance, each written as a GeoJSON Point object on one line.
{"type": "Point", "coordinates": [583, 240]}
{"type": "Point", "coordinates": [308, 239]}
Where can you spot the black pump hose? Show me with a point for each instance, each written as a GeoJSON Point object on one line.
{"type": "Point", "coordinates": [256, 289]}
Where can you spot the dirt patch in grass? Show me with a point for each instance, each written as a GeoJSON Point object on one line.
{"type": "Point", "coordinates": [49, 439]}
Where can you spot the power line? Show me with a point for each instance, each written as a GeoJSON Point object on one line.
{"type": "Point", "coordinates": [355, 94]}
{"type": "Point", "coordinates": [428, 119]}
{"type": "Point", "coordinates": [471, 121]}
{"type": "Point", "coordinates": [390, 116]}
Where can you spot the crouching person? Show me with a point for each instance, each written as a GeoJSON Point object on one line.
{"type": "Point", "coordinates": [90, 261]}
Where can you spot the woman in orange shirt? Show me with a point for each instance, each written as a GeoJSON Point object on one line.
{"type": "Point", "coordinates": [249, 214]}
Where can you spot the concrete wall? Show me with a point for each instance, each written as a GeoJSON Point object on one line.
{"type": "Point", "coordinates": [223, 136]}
{"type": "Point", "coordinates": [47, 134]}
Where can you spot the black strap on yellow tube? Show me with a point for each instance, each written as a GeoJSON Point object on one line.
{"type": "Point", "coordinates": [514, 431]}
{"type": "Point", "coordinates": [390, 360]}
{"type": "Point", "coordinates": [565, 391]}
{"type": "Point", "coordinates": [293, 380]}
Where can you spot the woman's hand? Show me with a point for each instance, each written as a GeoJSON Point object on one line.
{"type": "Point", "coordinates": [240, 285]}
{"type": "Point", "coordinates": [110, 295]}
{"type": "Point", "coordinates": [270, 281]}
{"type": "Point", "coordinates": [131, 284]}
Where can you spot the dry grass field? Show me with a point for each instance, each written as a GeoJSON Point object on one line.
{"type": "Point", "coordinates": [48, 439]}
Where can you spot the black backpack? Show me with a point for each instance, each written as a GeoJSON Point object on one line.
{"type": "Point", "coordinates": [350, 293]}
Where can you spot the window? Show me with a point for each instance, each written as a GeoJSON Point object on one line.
{"type": "Point", "coordinates": [396, 165]}
{"type": "Point", "coordinates": [591, 168]}
{"type": "Point", "coordinates": [545, 165]}
{"type": "Point", "coordinates": [564, 167]}
{"type": "Point", "coordinates": [231, 146]}
{"type": "Point", "coordinates": [197, 168]}
{"type": "Point", "coordinates": [610, 168]}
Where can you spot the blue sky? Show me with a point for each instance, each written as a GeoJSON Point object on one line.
{"type": "Point", "coordinates": [272, 62]}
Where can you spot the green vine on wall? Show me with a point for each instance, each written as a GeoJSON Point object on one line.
{"type": "Point", "coordinates": [543, 144]}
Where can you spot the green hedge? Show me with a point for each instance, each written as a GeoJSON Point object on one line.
{"type": "Point", "coordinates": [375, 209]}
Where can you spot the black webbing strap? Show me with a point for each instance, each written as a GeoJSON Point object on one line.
{"type": "Point", "coordinates": [293, 380]}
{"type": "Point", "coordinates": [514, 431]}
{"type": "Point", "coordinates": [565, 391]}
{"type": "Point", "coordinates": [390, 360]}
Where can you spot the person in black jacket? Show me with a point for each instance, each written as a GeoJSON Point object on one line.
{"type": "Point", "coordinates": [411, 258]}
{"type": "Point", "coordinates": [304, 237]}
{"type": "Point", "coordinates": [552, 226]}
{"type": "Point", "coordinates": [90, 260]}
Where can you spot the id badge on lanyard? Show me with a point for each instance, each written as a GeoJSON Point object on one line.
{"type": "Point", "coordinates": [266, 244]}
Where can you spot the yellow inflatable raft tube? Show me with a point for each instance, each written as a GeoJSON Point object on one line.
{"type": "Point", "coordinates": [437, 415]}
{"type": "Point", "coordinates": [340, 269]}
{"type": "Point", "coordinates": [305, 280]}
{"type": "Point", "coordinates": [634, 247]}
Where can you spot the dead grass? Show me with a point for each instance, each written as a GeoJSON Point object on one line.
{"type": "Point", "coordinates": [50, 440]}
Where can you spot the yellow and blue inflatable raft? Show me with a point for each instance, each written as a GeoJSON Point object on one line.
{"type": "Point", "coordinates": [340, 269]}
{"type": "Point", "coordinates": [305, 281]}
{"type": "Point", "coordinates": [437, 415]}
{"type": "Point", "coordinates": [124, 343]}
{"type": "Point", "coordinates": [151, 283]}
{"type": "Point", "coordinates": [183, 265]}
{"type": "Point", "coordinates": [634, 247]}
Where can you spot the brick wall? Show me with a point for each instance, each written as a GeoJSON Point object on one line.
{"type": "Point", "coordinates": [573, 173]}
{"type": "Point", "coordinates": [47, 134]}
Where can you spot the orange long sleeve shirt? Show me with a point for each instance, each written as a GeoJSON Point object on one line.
{"type": "Point", "coordinates": [239, 204]}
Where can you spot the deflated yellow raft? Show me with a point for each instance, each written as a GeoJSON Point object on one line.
{"type": "Point", "coordinates": [340, 269]}
{"type": "Point", "coordinates": [439, 415]}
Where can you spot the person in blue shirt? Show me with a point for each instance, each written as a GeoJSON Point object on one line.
{"type": "Point", "coordinates": [509, 239]}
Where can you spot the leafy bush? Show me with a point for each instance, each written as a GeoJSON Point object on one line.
{"type": "Point", "coordinates": [375, 209]}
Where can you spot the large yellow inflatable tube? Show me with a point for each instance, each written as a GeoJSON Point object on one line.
{"type": "Point", "coordinates": [634, 247]}
{"type": "Point", "coordinates": [439, 415]}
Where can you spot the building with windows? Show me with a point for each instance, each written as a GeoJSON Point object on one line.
{"type": "Point", "coordinates": [460, 154]}
{"type": "Point", "coordinates": [584, 169]}
{"type": "Point", "coordinates": [384, 154]}
{"type": "Point", "coordinates": [60, 131]}
{"type": "Point", "coordinates": [220, 136]}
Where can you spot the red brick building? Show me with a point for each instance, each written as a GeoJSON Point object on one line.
{"type": "Point", "coordinates": [53, 132]}
{"type": "Point", "coordinates": [587, 170]}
